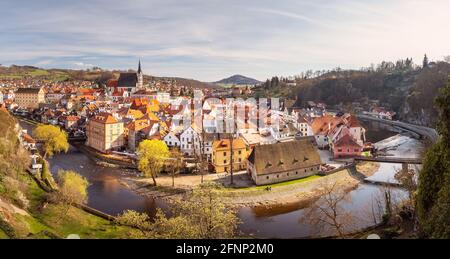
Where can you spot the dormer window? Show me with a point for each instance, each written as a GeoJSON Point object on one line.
{"type": "Point", "coordinates": [268, 165]}
{"type": "Point", "coordinates": [280, 163]}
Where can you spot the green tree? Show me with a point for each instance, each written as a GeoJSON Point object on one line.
{"type": "Point", "coordinates": [433, 199]}
{"type": "Point", "coordinates": [202, 216]}
{"type": "Point", "coordinates": [152, 155]}
{"type": "Point", "coordinates": [72, 190]}
{"type": "Point", "coordinates": [53, 139]}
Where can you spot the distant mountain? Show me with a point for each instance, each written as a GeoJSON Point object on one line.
{"type": "Point", "coordinates": [238, 80]}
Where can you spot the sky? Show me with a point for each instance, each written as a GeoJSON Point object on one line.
{"type": "Point", "coordinates": [210, 39]}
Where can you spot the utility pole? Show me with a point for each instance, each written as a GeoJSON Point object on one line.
{"type": "Point", "coordinates": [202, 149]}
{"type": "Point", "coordinates": [231, 158]}
{"type": "Point", "coordinates": [231, 145]}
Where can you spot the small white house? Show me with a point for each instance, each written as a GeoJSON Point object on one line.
{"type": "Point", "coordinates": [172, 140]}
{"type": "Point", "coordinates": [188, 139]}
{"type": "Point", "coordinates": [303, 126]}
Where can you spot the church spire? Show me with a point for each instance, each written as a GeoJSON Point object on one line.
{"type": "Point", "coordinates": [139, 68]}
{"type": "Point", "coordinates": [140, 76]}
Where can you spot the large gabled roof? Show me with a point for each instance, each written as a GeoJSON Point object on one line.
{"type": "Point", "coordinates": [127, 80]}
{"type": "Point", "coordinates": [224, 144]}
{"type": "Point", "coordinates": [347, 141]}
{"type": "Point", "coordinates": [28, 90]}
{"type": "Point", "coordinates": [104, 118]}
{"type": "Point", "coordinates": [285, 156]}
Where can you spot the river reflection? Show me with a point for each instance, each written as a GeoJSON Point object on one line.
{"type": "Point", "coordinates": [360, 204]}
{"type": "Point", "coordinates": [106, 193]}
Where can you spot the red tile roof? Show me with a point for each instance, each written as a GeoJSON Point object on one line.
{"type": "Point", "coordinates": [104, 118]}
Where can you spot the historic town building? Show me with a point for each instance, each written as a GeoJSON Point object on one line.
{"type": "Point", "coordinates": [268, 164]}
{"type": "Point", "coordinates": [29, 97]}
{"type": "Point", "coordinates": [105, 133]}
{"type": "Point", "coordinates": [131, 82]}
{"type": "Point", "coordinates": [222, 159]}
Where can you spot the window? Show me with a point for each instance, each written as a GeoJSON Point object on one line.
{"type": "Point", "coordinates": [240, 152]}
{"type": "Point", "coordinates": [224, 161]}
{"type": "Point", "coordinates": [296, 172]}
{"type": "Point", "coordinates": [267, 177]}
{"type": "Point", "coordinates": [224, 153]}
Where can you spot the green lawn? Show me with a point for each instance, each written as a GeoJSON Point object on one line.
{"type": "Point", "coordinates": [257, 189]}
{"type": "Point", "coordinates": [77, 222]}
{"type": "Point", "coordinates": [38, 72]}
{"type": "Point", "coordinates": [275, 185]}
{"type": "Point", "coordinates": [3, 235]}
{"type": "Point", "coordinates": [52, 76]}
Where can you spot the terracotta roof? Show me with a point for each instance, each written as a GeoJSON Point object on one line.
{"type": "Point", "coordinates": [136, 114]}
{"type": "Point", "coordinates": [86, 91]}
{"type": "Point", "coordinates": [225, 144]}
{"type": "Point", "coordinates": [346, 141]}
{"type": "Point", "coordinates": [139, 125]}
{"type": "Point", "coordinates": [112, 83]}
{"type": "Point", "coordinates": [117, 92]}
{"type": "Point", "coordinates": [72, 118]}
{"type": "Point", "coordinates": [353, 122]}
{"type": "Point", "coordinates": [151, 116]}
{"type": "Point", "coordinates": [28, 138]}
{"type": "Point", "coordinates": [138, 102]}
{"type": "Point", "coordinates": [105, 118]}
{"type": "Point", "coordinates": [323, 125]}
{"type": "Point", "coordinates": [286, 156]}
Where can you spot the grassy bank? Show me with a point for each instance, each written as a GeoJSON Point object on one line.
{"type": "Point", "coordinates": [3, 235]}
{"type": "Point", "coordinates": [51, 220]}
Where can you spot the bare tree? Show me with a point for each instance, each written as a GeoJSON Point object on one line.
{"type": "Point", "coordinates": [382, 205]}
{"type": "Point", "coordinates": [176, 163]}
{"type": "Point", "coordinates": [327, 214]}
{"type": "Point", "coordinates": [408, 179]}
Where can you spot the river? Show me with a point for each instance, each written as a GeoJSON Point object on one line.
{"type": "Point", "coordinates": [108, 195]}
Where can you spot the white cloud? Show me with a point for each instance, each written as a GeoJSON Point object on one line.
{"type": "Point", "coordinates": [83, 65]}
{"type": "Point", "coordinates": [208, 40]}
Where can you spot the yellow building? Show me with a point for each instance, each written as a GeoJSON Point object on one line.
{"type": "Point", "coordinates": [105, 133]}
{"type": "Point", "coordinates": [221, 156]}
{"type": "Point", "coordinates": [29, 97]}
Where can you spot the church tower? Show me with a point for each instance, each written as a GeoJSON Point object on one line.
{"type": "Point", "coordinates": [140, 76]}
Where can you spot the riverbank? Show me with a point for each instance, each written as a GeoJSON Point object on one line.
{"type": "Point", "coordinates": [294, 193]}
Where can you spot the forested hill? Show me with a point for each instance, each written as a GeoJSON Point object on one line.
{"type": "Point", "coordinates": [408, 90]}
{"type": "Point", "coordinates": [238, 80]}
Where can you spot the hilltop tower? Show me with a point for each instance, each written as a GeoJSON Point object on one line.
{"type": "Point", "coordinates": [140, 76]}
